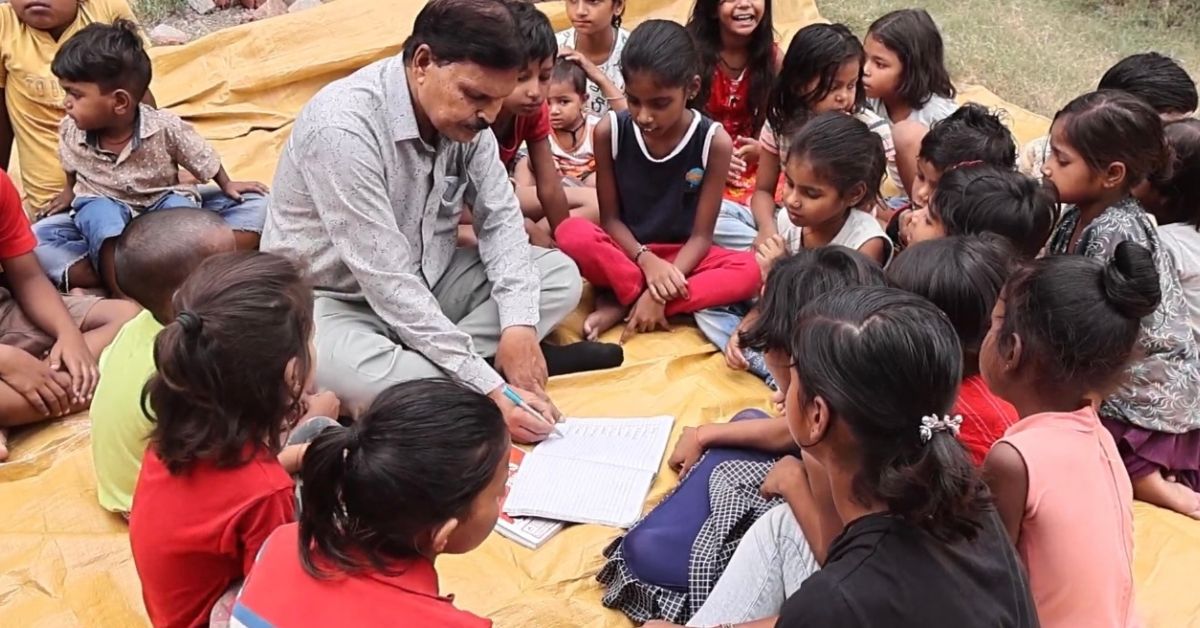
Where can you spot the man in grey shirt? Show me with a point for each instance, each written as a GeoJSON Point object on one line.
{"type": "Point", "coordinates": [369, 190]}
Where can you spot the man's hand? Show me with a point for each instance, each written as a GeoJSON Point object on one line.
{"type": "Point", "coordinates": [71, 354]}
{"type": "Point", "coordinates": [44, 388]}
{"type": "Point", "coordinates": [523, 426]}
{"type": "Point", "coordinates": [57, 205]}
{"type": "Point", "coordinates": [787, 475]}
{"type": "Point", "coordinates": [648, 314]}
{"type": "Point", "coordinates": [687, 451]}
{"type": "Point", "coordinates": [235, 189]}
{"type": "Point", "coordinates": [664, 281]}
{"type": "Point", "coordinates": [520, 360]}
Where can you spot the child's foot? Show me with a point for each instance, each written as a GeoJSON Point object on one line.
{"type": "Point", "coordinates": [1166, 492]}
{"type": "Point", "coordinates": [607, 314]}
{"type": "Point", "coordinates": [3, 444]}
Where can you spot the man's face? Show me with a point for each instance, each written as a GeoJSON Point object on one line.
{"type": "Point", "coordinates": [460, 99]}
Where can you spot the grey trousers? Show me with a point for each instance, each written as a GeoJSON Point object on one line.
{"type": "Point", "coordinates": [359, 355]}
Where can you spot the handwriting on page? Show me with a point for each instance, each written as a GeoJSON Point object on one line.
{"type": "Point", "coordinates": [637, 443]}
{"type": "Point", "coordinates": [549, 488]}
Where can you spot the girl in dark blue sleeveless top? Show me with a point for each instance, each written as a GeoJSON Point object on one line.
{"type": "Point", "coordinates": [660, 173]}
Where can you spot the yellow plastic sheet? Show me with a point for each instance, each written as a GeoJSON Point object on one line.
{"type": "Point", "coordinates": [65, 562]}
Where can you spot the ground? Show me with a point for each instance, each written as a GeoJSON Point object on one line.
{"type": "Point", "coordinates": [1036, 53]}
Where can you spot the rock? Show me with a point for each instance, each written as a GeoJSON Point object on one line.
{"type": "Point", "coordinates": [300, 5]}
{"type": "Point", "coordinates": [270, 8]}
{"type": "Point", "coordinates": [203, 7]}
{"type": "Point", "coordinates": [167, 35]}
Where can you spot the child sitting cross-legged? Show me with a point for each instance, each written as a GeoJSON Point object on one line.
{"type": "Point", "coordinates": [48, 342]}
{"type": "Point", "coordinates": [122, 157]}
{"type": "Point", "coordinates": [232, 370]}
{"type": "Point", "coordinates": [419, 475]}
{"type": "Point", "coordinates": [660, 169]}
{"type": "Point", "coordinates": [154, 256]}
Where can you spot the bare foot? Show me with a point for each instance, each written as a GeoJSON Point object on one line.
{"type": "Point", "coordinates": [3, 444]}
{"type": "Point", "coordinates": [607, 314]}
{"type": "Point", "coordinates": [1165, 493]}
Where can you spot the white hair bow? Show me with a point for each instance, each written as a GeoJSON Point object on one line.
{"type": "Point", "coordinates": [931, 423]}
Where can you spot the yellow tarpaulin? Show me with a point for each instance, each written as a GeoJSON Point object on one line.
{"type": "Point", "coordinates": [65, 562]}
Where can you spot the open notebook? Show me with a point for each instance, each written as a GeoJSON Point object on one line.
{"type": "Point", "coordinates": [599, 471]}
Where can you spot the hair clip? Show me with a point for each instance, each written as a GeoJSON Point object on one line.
{"type": "Point", "coordinates": [965, 164]}
{"type": "Point", "coordinates": [931, 423]}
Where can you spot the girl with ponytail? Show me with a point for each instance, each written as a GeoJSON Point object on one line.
{"type": "Point", "coordinates": [1063, 332]}
{"type": "Point", "coordinates": [886, 521]}
{"type": "Point", "coordinates": [419, 475]}
{"type": "Point", "coordinates": [232, 372]}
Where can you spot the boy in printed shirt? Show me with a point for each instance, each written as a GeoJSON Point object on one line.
{"type": "Point", "coordinates": [122, 157]}
{"type": "Point", "coordinates": [31, 100]}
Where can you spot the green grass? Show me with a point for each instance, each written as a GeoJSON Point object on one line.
{"type": "Point", "coordinates": [1042, 53]}
{"type": "Point", "coordinates": [151, 12]}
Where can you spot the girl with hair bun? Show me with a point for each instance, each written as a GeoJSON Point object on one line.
{"type": "Point", "coordinates": [1063, 333]}
{"type": "Point", "coordinates": [1102, 146]}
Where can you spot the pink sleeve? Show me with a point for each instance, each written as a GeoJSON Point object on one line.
{"type": "Point", "coordinates": [767, 139]}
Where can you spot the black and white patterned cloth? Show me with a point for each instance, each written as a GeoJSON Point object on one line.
{"type": "Point", "coordinates": [735, 502]}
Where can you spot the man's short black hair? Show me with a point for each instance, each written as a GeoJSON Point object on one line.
{"type": "Point", "coordinates": [483, 32]}
{"type": "Point", "coordinates": [112, 56]}
{"type": "Point", "coordinates": [536, 32]}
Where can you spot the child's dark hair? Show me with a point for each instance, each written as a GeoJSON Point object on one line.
{"type": "Point", "coordinates": [986, 199]}
{"type": "Point", "coordinates": [1179, 183]}
{"type": "Point", "coordinates": [842, 151]}
{"type": "Point", "coordinates": [222, 365]}
{"type": "Point", "coordinates": [665, 50]}
{"type": "Point", "coordinates": [817, 52]}
{"type": "Point", "coordinates": [971, 134]}
{"type": "Point", "coordinates": [418, 457]}
{"type": "Point", "coordinates": [705, 28]}
{"type": "Point", "coordinates": [535, 32]}
{"type": "Point", "coordinates": [963, 277]}
{"type": "Point", "coordinates": [109, 55]}
{"type": "Point", "coordinates": [571, 73]}
{"type": "Point", "coordinates": [1156, 79]}
{"type": "Point", "coordinates": [1078, 318]}
{"type": "Point", "coordinates": [1110, 126]}
{"type": "Point", "coordinates": [882, 359]}
{"type": "Point", "coordinates": [483, 32]}
{"type": "Point", "coordinates": [797, 279]}
{"type": "Point", "coordinates": [916, 40]}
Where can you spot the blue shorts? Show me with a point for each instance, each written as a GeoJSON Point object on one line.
{"type": "Point", "coordinates": [69, 237]}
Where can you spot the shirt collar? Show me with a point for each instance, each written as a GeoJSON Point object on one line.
{"type": "Point", "coordinates": [414, 575]}
{"type": "Point", "coordinates": [402, 116]}
{"type": "Point", "coordinates": [146, 122]}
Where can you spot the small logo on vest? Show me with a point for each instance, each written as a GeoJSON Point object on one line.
{"type": "Point", "coordinates": [694, 177]}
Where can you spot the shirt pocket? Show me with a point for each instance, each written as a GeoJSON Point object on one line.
{"type": "Point", "coordinates": [451, 202]}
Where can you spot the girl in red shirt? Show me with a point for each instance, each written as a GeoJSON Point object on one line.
{"type": "Point", "coordinates": [232, 370]}
{"type": "Point", "coordinates": [963, 276]}
{"type": "Point", "coordinates": [736, 40]}
{"type": "Point", "coordinates": [421, 474]}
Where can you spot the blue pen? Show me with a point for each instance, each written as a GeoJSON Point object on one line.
{"type": "Point", "coordinates": [515, 398]}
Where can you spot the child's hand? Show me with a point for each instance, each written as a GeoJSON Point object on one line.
{"type": "Point", "coordinates": [745, 153]}
{"type": "Point", "coordinates": [648, 314]}
{"type": "Point", "coordinates": [734, 358]}
{"type": "Point", "coordinates": [770, 250]}
{"type": "Point", "coordinates": [664, 281]}
{"type": "Point", "coordinates": [71, 354]}
{"type": "Point", "coordinates": [57, 205]}
{"type": "Point", "coordinates": [787, 475]}
{"type": "Point", "coordinates": [235, 189]}
{"type": "Point", "coordinates": [45, 389]}
{"type": "Point", "coordinates": [687, 451]}
{"type": "Point", "coordinates": [590, 69]}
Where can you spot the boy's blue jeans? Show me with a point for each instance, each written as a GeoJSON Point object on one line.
{"type": "Point", "coordinates": [66, 238]}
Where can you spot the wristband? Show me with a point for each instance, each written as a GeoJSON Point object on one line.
{"type": "Point", "coordinates": [641, 249]}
